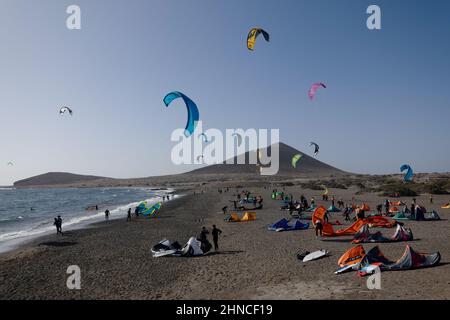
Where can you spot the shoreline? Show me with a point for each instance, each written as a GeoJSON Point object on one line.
{"type": "Point", "coordinates": [9, 245]}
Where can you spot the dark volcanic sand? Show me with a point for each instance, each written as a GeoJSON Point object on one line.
{"type": "Point", "coordinates": [116, 262]}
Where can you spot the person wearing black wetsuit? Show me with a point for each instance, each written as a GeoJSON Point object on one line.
{"type": "Point", "coordinates": [215, 234]}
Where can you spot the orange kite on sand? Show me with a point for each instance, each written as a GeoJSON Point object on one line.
{"type": "Point", "coordinates": [352, 256]}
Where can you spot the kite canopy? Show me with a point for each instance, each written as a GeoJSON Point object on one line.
{"type": "Point", "coordinates": [283, 225]}
{"type": "Point", "coordinates": [319, 214]}
{"type": "Point", "coordinates": [295, 159]}
{"type": "Point", "coordinates": [64, 110]}
{"type": "Point", "coordinates": [152, 210]}
{"type": "Point", "coordinates": [409, 260]}
{"type": "Point", "coordinates": [409, 172]}
{"type": "Point", "coordinates": [248, 216]}
{"type": "Point", "coordinates": [10, 164]}
{"type": "Point", "coordinates": [313, 90]}
{"type": "Point", "coordinates": [253, 34]}
{"type": "Point", "coordinates": [446, 206]}
{"type": "Point", "coordinates": [192, 248]}
{"type": "Point", "coordinates": [202, 135]}
{"type": "Point", "coordinates": [352, 256]}
{"type": "Point", "coordinates": [193, 114]}
{"type": "Point", "coordinates": [326, 190]}
{"type": "Point", "coordinates": [364, 235]}
{"type": "Point", "coordinates": [373, 221]}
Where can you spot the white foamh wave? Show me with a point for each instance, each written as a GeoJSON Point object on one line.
{"type": "Point", "coordinates": [43, 228]}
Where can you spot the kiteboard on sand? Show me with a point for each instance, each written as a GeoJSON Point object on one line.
{"type": "Point", "coordinates": [316, 255]}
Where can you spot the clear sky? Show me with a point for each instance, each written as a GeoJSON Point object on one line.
{"type": "Point", "coordinates": [387, 101]}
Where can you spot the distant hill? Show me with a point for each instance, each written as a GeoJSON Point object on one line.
{"type": "Point", "coordinates": [55, 178]}
{"type": "Point", "coordinates": [306, 166]}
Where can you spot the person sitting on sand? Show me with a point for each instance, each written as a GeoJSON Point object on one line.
{"type": "Point", "coordinates": [129, 214]}
{"type": "Point", "coordinates": [319, 228]}
{"type": "Point", "coordinates": [215, 234]}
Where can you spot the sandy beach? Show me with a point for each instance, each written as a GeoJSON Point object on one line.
{"type": "Point", "coordinates": [253, 263]}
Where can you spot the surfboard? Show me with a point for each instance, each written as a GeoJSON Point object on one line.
{"type": "Point", "coordinates": [315, 255]}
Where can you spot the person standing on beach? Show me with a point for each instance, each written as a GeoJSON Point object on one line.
{"type": "Point", "coordinates": [136, 211]}
{"type": "Point", "coordinates": [431, 199]}
{"type": "Point", "coordinates": [58, 225]}
{"type": "Point", "coordinates": [129, 215]}
{"type": "Point", "coordinates": [319, 228]}
{"type": "Point", "coordinates": [386, 206]}
{"type": "Point", "coordinates": [203, 235]}
{"type": "Point", "coordinates": [106, 214]}
{"type": "Point", "coordinates": [215, 234]}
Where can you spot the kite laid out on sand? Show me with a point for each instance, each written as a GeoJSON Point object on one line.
{"type": "Point", "coordinates": [193, 114]}
{"type": "Point", "coordinates": [366, 263]}
{"type": "Point", "coordinates": [295, 159]}
{"type": "Point", "coordinates": [316, 147]}
{"type": "Point", "coordinates": [63, 110]}
{"type": "Point", "coordinates": [409, 172]}
{"type": "Point", "coordinates": [283, 225]}
{"type": "Point", "coordinates": [192, 248]}
{"type": "Point", "coordinates": [313, 90]}
{"type": "Point", "coordinates": [148, 211]}
{"type": "Point", "coordinates": [253, 34]}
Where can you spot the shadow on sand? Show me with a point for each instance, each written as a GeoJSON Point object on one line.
{"type": "Point", "coordinates": [58, 243]}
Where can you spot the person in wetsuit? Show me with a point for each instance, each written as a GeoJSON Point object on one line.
{"type": "Point", "coordinates": [215, 234]}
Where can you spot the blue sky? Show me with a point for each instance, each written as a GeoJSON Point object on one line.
{"type": "Point", "coordinates": [387, 101]}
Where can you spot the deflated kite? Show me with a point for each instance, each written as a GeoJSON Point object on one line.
{"type": "Point", "coordinates": [316, 147]}
{"type": "Point", "coordinates": [295, 159]}
{"type": "Point", "coordinates": [64, 110]}
{"type": "Point", "coordinates": [193, 114]}
{"type": "Point", "coordinates": [312, 91]}
{"type": "Point", "coordinates": [409, 172]}
{"type": "Point", "coordinates": [253, 34]}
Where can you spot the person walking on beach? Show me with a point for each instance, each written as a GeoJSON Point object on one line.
{"type": "Point", "coordinates": [215, 234]}
{"type": "Point", "coordinates": [431, 199]}
{"type": "Point", "coordinates": [58, 225]}
{"type": "Point", "coordinates": [319, 228]}
{"type": "Point", "coordinates": [106, 214]}
{"type": "Point", "coordinates": [136, 211]}
{"type": "Point", "coordinates": [129, 214]}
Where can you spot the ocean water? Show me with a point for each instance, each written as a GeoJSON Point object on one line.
{"type": "Point", "coordinates": [28, 213]}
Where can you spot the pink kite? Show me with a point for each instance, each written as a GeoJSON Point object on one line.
{"type": "Point", "coordinates": [313, 90]}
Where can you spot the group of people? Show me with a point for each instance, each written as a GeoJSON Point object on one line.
{"type": "Point", "coordinates": [203, 237]}
{"type": "Point", "coordinates": [243, 198]}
